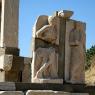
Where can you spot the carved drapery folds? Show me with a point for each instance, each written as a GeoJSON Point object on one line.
{"type": "Point", "coordinates": [45, 54]}
{"type": "Point", "coordinates": [77, 60]}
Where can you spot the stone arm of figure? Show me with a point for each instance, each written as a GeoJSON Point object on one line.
{"type": "Point", "coordinates": [40, 32]}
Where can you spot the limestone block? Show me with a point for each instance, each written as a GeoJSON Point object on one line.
{"type": "Point", "coordinates": [6, 62]}
{"type": "Point", "coordinates": [11, 93]}
{"type": "Point", "coordinates": [26, 73]}
{"type": "Point", "coordinates": [59, 81]}
{"type": "Point", "coordinates": [9, 50]}
{"type": "Point", "coordinates": [49, 92]}
{"type": "Point", "coordinates": [13, 76]}
{"type": "Point", "coordinates": [2, 76]}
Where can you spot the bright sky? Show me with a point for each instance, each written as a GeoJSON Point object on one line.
{"type": "Point", "coordinates": [84, 10]}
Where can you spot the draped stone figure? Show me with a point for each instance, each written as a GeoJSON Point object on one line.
{"type": "Point", "coordinates": [58, 49]}
{"type": "Point", "coordinates": [45, 63]}
{"type": "Point", "coordinates": [49, 32]}
{"type": "Point", "coordinates": [45, 59]}
{"type": "Point", "coordinates": [77, 59]}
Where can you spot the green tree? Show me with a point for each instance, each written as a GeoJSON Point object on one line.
{"type": "Point", "coordinates": [89, 54]}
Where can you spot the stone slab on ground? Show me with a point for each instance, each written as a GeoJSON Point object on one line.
{"type": "Point", "coordinates": [11, 93]}
{"type": "Point", "coordinates": [49, 92]}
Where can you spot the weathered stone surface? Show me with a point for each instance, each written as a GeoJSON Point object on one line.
{"type": "Point", "coordinates": [65, 14]}
{"type": "Point", "coordinates": [6, 62]}
{"type": "Point", "coordinates": [56, 81]}
{"type": "Point", "coordinates": [9, 23]}
{"type": "Point", "coordinates": [75, 52]}
{"type": "Point", "coordinates": [61, 48]}
{"type": "Point", "coordinates": [45, 59]}
{"type": "Point", "coordinates": [15, 68]}
{"type": "Point", "coordinates": [69, 27]}
{"type": "Point", "coordinates": [49, 92]}
{"type": "Point", "coordinates": [15, 73]}
{"type": "Point", "coordinates": [13, 76]}
{"type": "Point", "coordinates": [48, 32]}
{"type": "Point", "coordinates": [2, 76]}
{"type": "Point", "coordinates": [26, 73]}
{"type": "Point", "coordinates": [9, 50]}
{"type": "Point", "coordinates": [45, 63]}
{"type": "Point", "coordinates": [70, 49]}
{"type": "Point", "coordinates": [11, 93]}
{"type": "Point", "coordinates": [20, 71]}
{"type": "Point", "coordinates": [74, 88]}
{"type": "Point", "coordinates": [40, 22]}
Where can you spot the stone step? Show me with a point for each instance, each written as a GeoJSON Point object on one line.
{"type": "Point", "coordinates": [73, 88]}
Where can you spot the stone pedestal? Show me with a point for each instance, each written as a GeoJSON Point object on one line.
{"type": "Point", "coordinates": [56, 81]}
{"type": "Point", "coordinates": [49, 92]}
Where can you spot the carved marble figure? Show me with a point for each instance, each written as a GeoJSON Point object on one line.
{"type": "Point", "coordinates": [49, 32]}
{"type": "Point", "coordinates": [45, 63]}
{"type": "Point", "coordinates": [77, 60]}
{"type": "Point", "coordinates": [45, 60]}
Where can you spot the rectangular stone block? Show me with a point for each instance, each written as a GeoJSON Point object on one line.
{"type": "Point", "coordinates": [26, 73]}
{"type": "Point", "coordinates": [60, 81]}
{"type": "Point", "coordinates": [2, 76]}
{"type": "Point", "coordinates": [9, 50]}
{"type": "Point", "coordinates": [11, 93]}
{"type": "Point", "coordinates": [49, 92]}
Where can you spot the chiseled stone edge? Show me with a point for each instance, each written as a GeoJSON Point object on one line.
{"type": "Point", "coordinates": [11, 93]}
{"type": "Point", "coordinates": [50, 92]}
{"type": "Point", "coordinates": [59, 81]}
{"type": "Point", "coordinates": [7, 86]}
{"type": "Point", "coordinates": [42, 92]}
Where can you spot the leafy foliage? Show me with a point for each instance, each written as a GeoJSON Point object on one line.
{"type": "Point", "coordinates": [89, 54]}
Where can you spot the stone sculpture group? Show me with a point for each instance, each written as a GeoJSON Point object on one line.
{"type": "Point", "coordinates": [47, 45]}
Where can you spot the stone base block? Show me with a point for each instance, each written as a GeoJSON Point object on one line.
{"type": "Point", "coordinates": [9, 50]}
{"type": "Point", "coordinates": [11, 93]}
{"type": "Point", "coordinates": [15, 68]}
{"type": "Point", "coordinates": [49, 92]}
{"type": "Point", "coordinates": [60, 81]}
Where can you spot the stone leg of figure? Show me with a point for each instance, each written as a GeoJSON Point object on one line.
{"type": "Point", "coordinates": [47, 64]}
{"type": "Point", "coordinates": [37, 60]}
{"type": "Point", "coordinates": [53, 62]}
{"type": "Point", "coordinates": [39, 73]}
